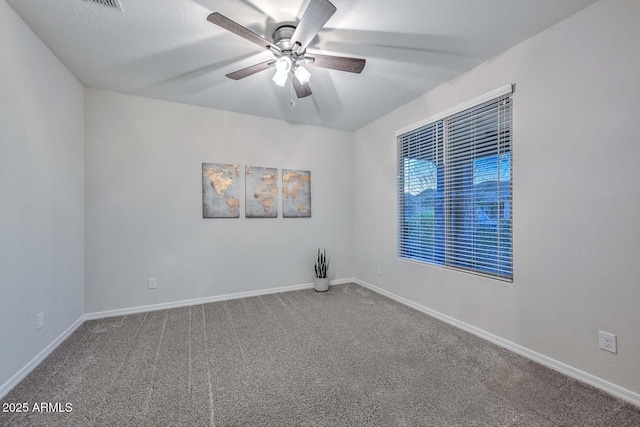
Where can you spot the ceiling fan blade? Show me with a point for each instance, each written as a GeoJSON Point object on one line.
{"type": "Point", "coordinates": [234, 27]}
{"type": "Point", "coordinates": [313, 19]}
{"type": "Point", "coordinates": [340, 63]}
{"type": "Point", "coordinates": [302, 90]}
{"type": "Point", "coordinates": [246, 72]}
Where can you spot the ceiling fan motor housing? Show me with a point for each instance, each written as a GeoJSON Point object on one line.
{"type": "Point", "coordinates": [282, 37]}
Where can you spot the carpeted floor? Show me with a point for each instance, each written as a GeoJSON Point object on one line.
{"type": "Point", "coordinates": [349, 357]}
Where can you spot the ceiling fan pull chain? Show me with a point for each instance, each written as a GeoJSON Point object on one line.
{"type": "Point", "coordinates": [291, 92]}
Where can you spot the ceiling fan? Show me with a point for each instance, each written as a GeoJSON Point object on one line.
{"type": "Point", "coordinates": [289, 46]}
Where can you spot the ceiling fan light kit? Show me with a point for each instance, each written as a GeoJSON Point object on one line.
{"type": "Point", "coordinates": [283, 66]}
{"type": "Point", "coordinates": [289, 46]}
{"type": "Point", "coordinates": [302, 74]}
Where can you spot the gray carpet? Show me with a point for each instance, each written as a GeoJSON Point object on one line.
{"type": "Point", "coordinates": [348, 357]}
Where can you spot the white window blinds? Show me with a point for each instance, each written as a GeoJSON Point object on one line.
{"type": "Point", "coordinates": [455, 193]}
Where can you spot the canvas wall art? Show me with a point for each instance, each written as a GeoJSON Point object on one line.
{"type": "Point", "coordinates": [220, 191]}
{"type": "Point", "coordinates": [296, 193]}
{"type": "Point", "coordinates": [261, 186]}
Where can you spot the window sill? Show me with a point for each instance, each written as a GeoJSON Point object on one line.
{"type": "Point", "coordinates": [461, 270]}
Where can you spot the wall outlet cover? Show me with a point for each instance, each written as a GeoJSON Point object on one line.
{"type": "Point", "coordinates": [608, 341]}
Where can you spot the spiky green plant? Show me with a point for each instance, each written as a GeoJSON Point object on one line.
{"type": "Point", "coordinates": [322, 264]}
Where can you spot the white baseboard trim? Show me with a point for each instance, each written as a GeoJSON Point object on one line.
{"type": "Point", "coordinates": [205, 300]}
{"type": "Point", "coordinates": [343, 281]}
{"type": "Point", "coordinates": [26, 370]}
{"type": "Point", "coordinates": [622, 393]}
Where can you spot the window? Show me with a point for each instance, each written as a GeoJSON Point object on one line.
{"type": "Point", "coordinates": [454, 188]}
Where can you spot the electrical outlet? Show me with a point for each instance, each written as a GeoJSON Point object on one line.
{"type": "Point", "coordinates": [608, 342]}
{"type": "Point", "coordinates": [379, 270]}
{"type": "Point", "coordinates": [153, 283]}
{"type": "Point", "coordinates": [40, 321]}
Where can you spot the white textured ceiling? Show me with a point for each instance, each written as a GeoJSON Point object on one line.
{"type": "Point", "coordinates": [166, 49]}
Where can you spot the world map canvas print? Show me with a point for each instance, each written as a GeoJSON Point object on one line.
{"type": "Point", "coordinates": [220, 191]}
{"type": "Point", "coordinates": [296, 193]}
{"type": "Point", "coordinates": [261, 186]}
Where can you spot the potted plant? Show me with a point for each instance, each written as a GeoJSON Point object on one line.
{"type": "Point", "coordinates": [321, 282]}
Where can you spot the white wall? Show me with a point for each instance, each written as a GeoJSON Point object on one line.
{"type": "Point", "coordinates": [144, 202]}
{"type": "Point", "coordinates": [576, 238]}
{"type": "Point", "coordinates": [576, 196]}
{"type": "Point", "coordinates": [41, 194]}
